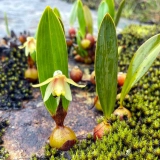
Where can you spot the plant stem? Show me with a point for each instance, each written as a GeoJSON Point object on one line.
{"type": "Point", "coordinates": [60, 115]}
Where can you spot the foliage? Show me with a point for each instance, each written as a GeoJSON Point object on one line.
{"type": "Point", "coordinates": [140, 63]}
{"type": "Point", "coordinates": [144, 11]}
{"type": "Point", "coordinates": [6, 24]}
{"type": "Point", "coordinates": [106, 62]}
{"type": "Point", "coordinates": [108, 6]}
{"type": "Point", "coordinates": [83, 14]}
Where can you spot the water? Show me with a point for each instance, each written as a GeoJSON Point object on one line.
{"type": "Point", "coordinates": [25, 14]}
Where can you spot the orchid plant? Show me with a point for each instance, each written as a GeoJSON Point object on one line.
{"type": "Point", "coordinates": [29, 45]}
{"type": "Point", "coordinates": [106, 66]}
{"type": "Point", "coordinates": [30, 51]}
{"type": "Point", "coordinates": [52, 66]}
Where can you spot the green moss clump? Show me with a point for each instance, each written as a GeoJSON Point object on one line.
{"type": "Point", "coordinates": [3, 153]}
{"type": "Point", "coordinates": [14, 88]}
{"type": "Point", "coordinates": [137, 137]}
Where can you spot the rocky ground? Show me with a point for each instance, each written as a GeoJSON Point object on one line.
{"type": "Point", "coordinates": [31, 126]}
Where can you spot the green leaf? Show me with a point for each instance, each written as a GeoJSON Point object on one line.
{"type": "Point", "coordinates": [88, 19]}
{"type": "Point", "coordinates": [73, 15]}
{"type": "Point", "coordinates": [111, 7]}
{"type": "Point", "coordinates": [81, 18]}
{"type": "Point", "coordinates": [140, 63]}
{"type": "Point", "coordinates": [6, 24]}
{"type": "Point", "coordinates": [56, 12]}
{"type": "Point", "coordinates": [106, 65]}
{"type": "Point", "coordinates": [51, 54]}
{"type": "Point", "coordinates": [102, 10]}
{"type": "Point", "coordinates": [118, 15]}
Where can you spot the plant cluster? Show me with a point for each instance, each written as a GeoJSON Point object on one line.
{"type": "Point", "coordinates": [82, 43]}
{"type": "Point", "coordinates": [144, 11]}
{"type": "Point", "coordinates": [134, 138]}
{"type": "Point", "coordinates": [3, 153]}
{"type": "Point", "coordinates": [14, 87]}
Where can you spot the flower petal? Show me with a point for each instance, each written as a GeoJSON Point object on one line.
{"type": "Point", "coordinates": [68, 94]}
{"type": "Point", "coordinates": [30, 39]}
{"type": "Point", "coordinates": [59, 86]}
{"type": "Point", "coordinates": [24, 45]}
{"type": "Point", "coordinates": [43, 83]}
{"type": "Point", "coordinates": [26, 51]}
{"type": "Point", "coordinates": [73, 83]}
{"type": "Point", "coordinates": [48, 91]}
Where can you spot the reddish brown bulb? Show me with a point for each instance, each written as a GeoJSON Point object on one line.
{"type": "Point", "coordinates": [101, 129]}
{"type": "Point", "coordinates": [76, 74]}
{"type": "Point", "coordinates": [92, 78]}
{"type": "Point", "coordinates": [78, 58]}
{"type": "Point", "coordinates": [121, 78]}
{"type": "Point", "coordinates": [22, 38]}
{"type": "Point", "coordinates": [90, 38]}
{"type": "Point", "coordinates": [72, 32]}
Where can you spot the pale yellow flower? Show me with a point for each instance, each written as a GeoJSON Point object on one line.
{"type": "Point", "coordinates": [29, 45]}
{"type": "Point", "coordinates": [58, 85]}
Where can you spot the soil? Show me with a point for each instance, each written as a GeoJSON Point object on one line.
{"type": "Point", "coordinates": [31, 126]}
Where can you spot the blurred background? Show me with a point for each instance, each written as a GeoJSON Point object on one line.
{"type": "Point", "coordinates": [25, 15]}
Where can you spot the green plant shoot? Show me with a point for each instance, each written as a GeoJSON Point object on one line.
{"type": "Point", "coordinates": [140, 63]}
{"type": "Point", "coordinates": [57, 12]}
{"type": "Point", "coordinates": [81, 18]}
{"type": "Point", "coordinates": [88, 19]}
{"type": "Point", "coordinates": [108, 6]}
{"type": "Point", "coordinates": [106, 65]}
{"type": "Point", "coordinates": [6, 24]}
{"type": "Point", "coordinates": [84, 16]}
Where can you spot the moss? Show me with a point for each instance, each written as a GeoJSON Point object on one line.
{"type": "Point", "coordinates": [14, 88]}
{"type": "Point", "coordinates": [139, 136]}
{"type": "Point", "coordinates": [3, 153]}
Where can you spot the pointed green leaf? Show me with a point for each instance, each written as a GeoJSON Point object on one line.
{"type": "Point", "coordinates": [81, 18]}
{"type": "Point", "coordinates": [73, 15]}
{"type": "Point", "coordinates": [118, 15]}
{"type": "Point", "coordinates": [102, 10]}
{"type": "Point", "coordinates": [106, 65]}
{"type": "Point", "coordinates": [140, 63]}
{"type": "Point", "coordinates": [51, 54]}
{"type": "Point", "coordinates": [111, 7]}
{"type": "Point", "coordinates": [88, 19]}
{"type": "Point", "coordinates": [56, 12]}
{"type": "Point", "coordinates": [6, 24]}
